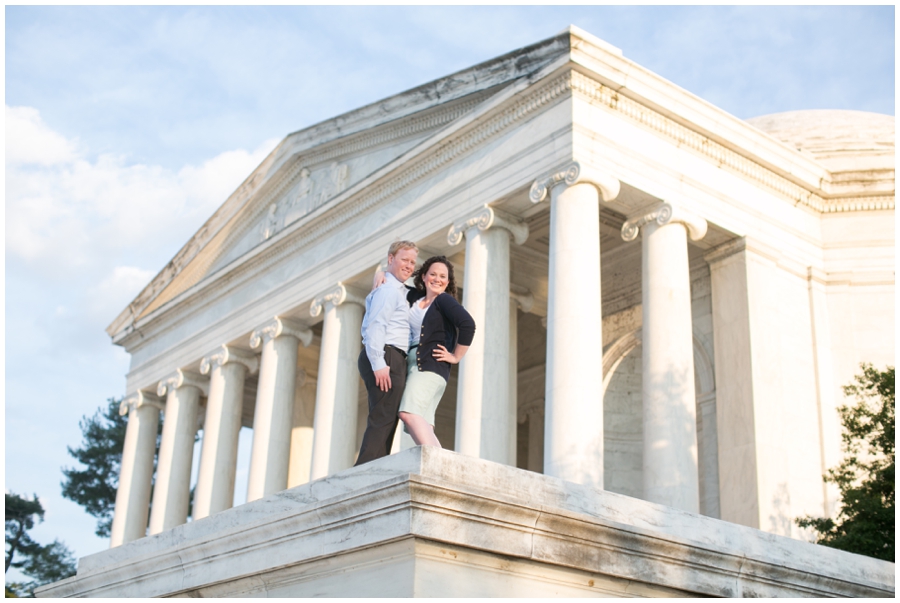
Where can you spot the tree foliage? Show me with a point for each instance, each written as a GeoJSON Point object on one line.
{"type": "Point", "coordinates": [865, 478]}
{"type": "Point", "coordinates": [21, 515]}
{"type": "Point", "coordinates": [94, 487]}
{"type": "Point", "coordinates": [42, 563]}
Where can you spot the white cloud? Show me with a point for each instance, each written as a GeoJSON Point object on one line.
{"type": "Point", "coordinates": [65, 210]}
{"type": "Point", "coordinates": [107, 298]}
{"type": "Point", "coordinates": [30, 141]}
{"type": "Point", "coordinates": [212, 182]}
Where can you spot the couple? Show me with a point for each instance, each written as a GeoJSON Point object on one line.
{"type": "Point", "coordinates": [408, 334]}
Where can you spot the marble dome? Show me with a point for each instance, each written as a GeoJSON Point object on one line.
{"type": "Point", "coordinates": [842, 141]}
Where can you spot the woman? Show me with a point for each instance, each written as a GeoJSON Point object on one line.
{"type": "Point", "coordinates": [437, 324]}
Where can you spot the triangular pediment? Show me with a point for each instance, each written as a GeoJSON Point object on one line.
{"type": "Point", "coordinates": [306, 183]}
{"type": "Point", "coordinates": [311, 168]}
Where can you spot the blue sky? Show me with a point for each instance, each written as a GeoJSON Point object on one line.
{"type": "Point", "coordinates": [126, 127]}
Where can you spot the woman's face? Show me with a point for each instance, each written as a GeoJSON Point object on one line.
{"type": "Point", "coordinates": [436, 279]}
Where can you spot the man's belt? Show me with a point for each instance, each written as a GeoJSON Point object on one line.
{"type": "Point", "coordinates": [387, 345]}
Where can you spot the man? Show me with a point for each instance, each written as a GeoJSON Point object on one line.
{"type": "Point", "coordinates": [382, 361]}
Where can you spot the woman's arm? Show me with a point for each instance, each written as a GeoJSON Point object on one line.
{"type": "Point", "coordinates": [378, 279]}
{"type": "Point", "coordinates": [444, 356]}
{"type": "Point", "coordinates": [460, 318]}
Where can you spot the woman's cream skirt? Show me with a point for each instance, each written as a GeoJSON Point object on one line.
{"type": "Point", "coordinates": [423, 391]}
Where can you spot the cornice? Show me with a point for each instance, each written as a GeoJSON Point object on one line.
{"type": "Point", "coordinates": [509, 67]}
{"type": "Point", "coordinates": [722, 156]}
{"type": "Point", "coordinates": [858, 204]}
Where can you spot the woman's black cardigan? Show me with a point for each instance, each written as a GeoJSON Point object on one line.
{"type": "Point", "coordinates": [442, 319]}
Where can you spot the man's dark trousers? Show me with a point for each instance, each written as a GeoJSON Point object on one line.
{"type": "Point", "coordinates": [383, 406]}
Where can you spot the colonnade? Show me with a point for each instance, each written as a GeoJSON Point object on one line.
{"type": "Point", "coordinates": [290, 446]}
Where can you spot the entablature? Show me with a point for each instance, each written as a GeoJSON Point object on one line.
{"type": "Point", "coordinates": [573, 63]}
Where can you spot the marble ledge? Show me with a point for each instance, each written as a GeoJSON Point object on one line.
{"type": "Point", "coordinates": [467, 504]}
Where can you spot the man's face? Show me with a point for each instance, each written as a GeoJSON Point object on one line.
{"type": "Point", "coordinates": [403, 264]}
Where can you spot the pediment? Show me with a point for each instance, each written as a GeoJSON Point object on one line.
{"type": "Point", "coordinates": [305, 183]}
{"type": "Point", "coordinates": [309, 187]}
{"type": "Point", "coordinates": [313, 167]}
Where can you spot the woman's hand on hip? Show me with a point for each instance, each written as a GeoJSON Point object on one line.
{"type": "Point", "coordinates": [443, 355]}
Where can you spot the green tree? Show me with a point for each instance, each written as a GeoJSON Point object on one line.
{"type": "Point", "coordinates": [42, 563]}
{"type": "Point", "coordinates": [21, 514]}
{"type": "Point", "coordinates": [94, 487]}
{"type": "Point", "coordinates": [865, 478]}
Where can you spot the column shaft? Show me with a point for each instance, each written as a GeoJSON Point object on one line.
{"type": "Point", "coordinates": [573, 441]}
{"type": "Point", "coordinates": [218, 456]}
{"type": "Point", "coordinates": [669, 400]}
{"type": "Point", "coordinates": [337, 396]}
{"type": "Point", "coordinates": [171, 492]}
{"type": "Point", "coordinates": [484, 426]}
{"type": "Point", "coordinates": [302, 431]}
{"type": "Point", "coordinates": [270, 454]}
{"type": "Point", "coordinates": [513, 397]}
{"type": "Point", "coordinates": [136, 475]}
{"type": "Point", "coordinates": [536, 442]}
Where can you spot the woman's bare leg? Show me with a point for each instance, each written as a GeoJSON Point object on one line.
{"type": "Point", "coordinates": [421, 431]}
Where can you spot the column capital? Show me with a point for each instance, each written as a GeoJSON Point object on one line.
{"type": "Point", "coordinates": [662, 214]}
{"type": "Point", "coordinates": [571, 174]}
{"type": "Point", "coordinates": [225, 354]}
{"type": "Point", "coordinates": [487, 217]}
{"type": "Point", "coordinates": [138, 399]}
{"type": "Point", "coordinates": [335, 296]}
{"type": "Point", "coordinates": [181, 378]}
{"type": "Point", "coordinates": [523, 297]}
{"type": "Point", "coordinates": [278, 326]}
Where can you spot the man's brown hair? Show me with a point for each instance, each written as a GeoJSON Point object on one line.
{"type": "Point", "coordinates": [398, 245]}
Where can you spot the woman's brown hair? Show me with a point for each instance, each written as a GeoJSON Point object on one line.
{"type": "Point", "coordinates": [418, 276]}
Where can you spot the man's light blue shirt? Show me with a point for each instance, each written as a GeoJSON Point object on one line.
{"type": "Point", "coordinates": [386, 321]}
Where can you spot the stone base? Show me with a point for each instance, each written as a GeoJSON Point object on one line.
{"type": "Point", "coordinates": [428, 522]}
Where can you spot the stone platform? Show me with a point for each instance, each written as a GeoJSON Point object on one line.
{"type": "Point", "coordinates": [429, 522]}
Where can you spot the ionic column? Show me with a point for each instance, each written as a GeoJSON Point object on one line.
{"type": "Point", "coordinates": [525, 300]}
{"type": "Point", "coordinates": [302, 430]}
{"type": "Point", "coordinates": [533, 412]}
{"type": "Point", "coordinates": [669, 400]}
{"type": "Point", "coordinates": [136, 473]}
{"type": "Point", "coordinates": [573, 418]}
{"type": "Point", "coordinates": [270, 455]}
{"type": "Point", "coordinates": [484, 426]}
{"type": "Point", "coordinates": [228, 368]}
{"type": "Point", "coordinates": [337, 396]}
{"type": "Point", "coordinates": [171, 492]}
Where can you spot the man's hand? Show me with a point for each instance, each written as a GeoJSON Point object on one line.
{"type": "Point", "coordinates": [383, 378]}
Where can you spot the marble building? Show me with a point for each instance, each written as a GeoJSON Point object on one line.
{"type": "Point", "coordinates": [668, 300]}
